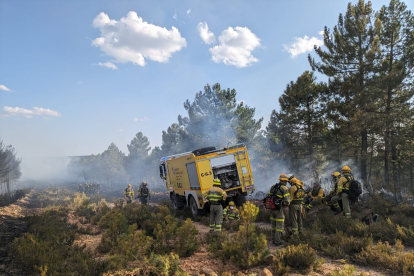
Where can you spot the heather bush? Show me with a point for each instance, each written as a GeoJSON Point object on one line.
{"type": "Point", "coordinates": [115, 224]}
{"type": "Point", "coordinates": [347, 270]}
{"type": "Point", "coordinates": [387, 256]}
{"type": "Point", "coordinates": [187, 242]}
{"type": "Point", "coordinates": [300, 256]}
{"type": "Point", "coordinates": [47, 247]}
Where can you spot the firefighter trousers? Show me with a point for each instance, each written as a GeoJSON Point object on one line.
{"type": "Point", "coordinates": [216, 217]}
{"type": "Point", "coordinates": [314, 202]}
{"type": "Point", "coordinates": [128, 199]}
{"type": "Point", "coordinates": [335, 202]}
{"type": "Point", "coordinates": [143, 200]}
{"type": "Point", "coordinates": [277, 218]}
{"type": "Point", "coordinates": [295, 214]}
{"type": "Point", "coordinates": [345, 205]}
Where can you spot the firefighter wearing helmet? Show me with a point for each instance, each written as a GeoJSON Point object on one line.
{"type": "Point", "coordinates": [315, 196]}
{"type": "Point", "coordinates": [343, 189]}
{"type": "Point", "coordinates": [333, 198]}
{"type": "Point", "coordinates": [215, 195]}
{"type": "Point", "coordinates": [231, 213]}
{"type": "Point", "coordinates": [279, 192]}
{"type": "Point", "coordinates": [144, 193]}
{"type": "Point", "coordinates": [129, 194]}
{"type": "Point", "coordinates": [297, 193]}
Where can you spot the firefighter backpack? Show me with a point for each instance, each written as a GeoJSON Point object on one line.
{"type": "Point", "coordinates": [355, 189]}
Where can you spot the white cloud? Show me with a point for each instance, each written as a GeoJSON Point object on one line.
{"type": "Point", "coordinates": [175, 16]}
{"type": "Point", "coordinates": [188, 12]}
{"type": "Point", "coordinates": [207, 36]}
{"type": "Point", "coordinates": [302, 45]}
{"type": "Point", "coordinates": [321, 32]}
{"type": "Point", "coordinates": [36, 111]}
{"type": "Point", "coordinates": [109, 65]}
{"type": "Point", "coordinates": [141, 120]}
{"type": "Point", "coordinates": [236, 46]}
{"type": "Point", "coordinates": [3, 87]}
{"type": "Point", "coordinates": [133, 40]}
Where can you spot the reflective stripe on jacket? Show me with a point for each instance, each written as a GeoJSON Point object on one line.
{"type": "Point", "coordinates": [281, 193]}
{"type": "Point", "coordinates": [214, 195]}
{"type": "Point", "coordinates": [231, 214]}
{"type": "Point", "coordinates": [343, 183]}
{"type": "Point", "coordinates": [129, 192]}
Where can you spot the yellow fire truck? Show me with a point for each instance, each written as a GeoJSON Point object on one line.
{"type": "Point", "coordinates": [187, 175]}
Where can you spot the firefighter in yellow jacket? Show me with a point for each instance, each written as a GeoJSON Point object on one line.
{"type": "Point", "coordinates": [297, 194]}
{"type": "Point", "coordinates": [129, 194]}
{"type": "Point", "coordinates": [315, 196]}
{"type": "Point", "coordinates": [280, 192]}
{"type": "Point", "coordinates": [343, 189]}
{"type": "Point", "coordinates": [215, 195]}
{"type": "Point", "coordinates": [333, 197]}
{"type": "Point", "coordinates": [144, 193]}
{"type": "Point", "coordinates": [231, 212]}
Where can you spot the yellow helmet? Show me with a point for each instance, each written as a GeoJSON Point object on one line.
{"type": "Point", "coordinates": [346, 169]}
{"type": "Point", "coordinates": [336, 174]}
{"type": "Point", "coordinates": [231, 203]}
{"type": "Point", "coordinates": [216, 182]}
{"type": "Point", "coordinates": [283, 177]}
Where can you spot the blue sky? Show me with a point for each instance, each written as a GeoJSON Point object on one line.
{"type": "Point", "coordinates": [62, 102]}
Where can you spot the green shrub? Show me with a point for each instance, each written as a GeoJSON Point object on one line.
{"type": "Point", "coordinates": [138, 214]}
{"type": "Point", "coordinates": [47, 247]}
{"type": "Point", "coordinates": [101, 209]}
{"type": "Point", "coordinates": [387, 256]}
{"type": "Point", "coordinates": [246, 248]}
{"type": "Point", "coordinates": [300, 256]}
{"type": "Point", "coordinates": [187, 242]}
{"type": "Point", "coordinates": [115, 224]}
{"type": "Point", "coordinates": [163, 265]}
{"type": "Point", "coordinates": [347, 270]}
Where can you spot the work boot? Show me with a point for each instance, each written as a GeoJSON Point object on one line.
{"type": "Point", "coordinates": [282, 242]}
{"type": "Point", "coordinates": [337, 212]}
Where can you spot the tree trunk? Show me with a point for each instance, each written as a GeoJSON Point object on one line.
{"type": "Point", "coordinates": [371, 157]}
{"type": "Point", "coordinates": [364, 153]}
{"type": "Point", "coordinates": [388, 124]}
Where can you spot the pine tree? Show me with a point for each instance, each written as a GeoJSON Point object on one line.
{"type": "Point", "coordinates": [349, 62]}
{"type": "Point", "coordinates": [395, 68]}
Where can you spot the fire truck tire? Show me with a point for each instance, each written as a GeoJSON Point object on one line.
{"type": "Point", "coordinates": [240, 200]}
{"type": "Point", "coordinates": [174, 200]}
{"type": "Point", "coordinates": [194, 208]}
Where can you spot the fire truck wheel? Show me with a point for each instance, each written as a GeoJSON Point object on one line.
{"type": "Point", "coordinates": [174, 200]}
{"type": "Point", "coordinates": [194, 208]}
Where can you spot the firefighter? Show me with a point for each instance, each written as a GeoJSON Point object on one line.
{"type": "Point", "coordinates": [333, 197]}
{"type": "Point", "coordinates": [80, 188]}
{"type": "Point", "coordinates": [295, 207]}
{"type": "Point", "coordinates": [215, 196]}
{"type": "Point", "coordinates": [343, 189]}
{"type": "Point", "coordinates": [231, 212]}
{"type": "Point", "coordinates": [279, 192]}
{"type": "Point", "coordinates": [315, 196]}
{"type": "Point", "coordinates": [129, 194]}
{"type": "Point", "coordinates": [143, 193]}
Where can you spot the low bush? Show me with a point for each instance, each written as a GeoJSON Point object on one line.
{"type": "Point", "coordinates": [300, 256]}
{"type": "Point", "coordinates": [187, 242]}
{"type": "Point", "coordinates": [387, 256]}
{"type": "Point", "coordinates": [166, 265]}
{"type": "Point", "coordinates": [9, 198]}
{"type": "Point", "coordinates": [347, 270]}
{"type": "Point", "coordinates": [47, 247]}
{"type": "Point", "coordinates": [246, 248]}
{"type": "Point", "coordinates": [115, 224]}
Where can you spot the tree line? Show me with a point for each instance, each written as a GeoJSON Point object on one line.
{"type": "Point", "coordinates": [362, 116]}
{"type": "Point", "coordinates": [10, 171]}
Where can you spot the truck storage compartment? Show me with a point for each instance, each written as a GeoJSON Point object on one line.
{"type": "Point", "coordinates": [225, 168]}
